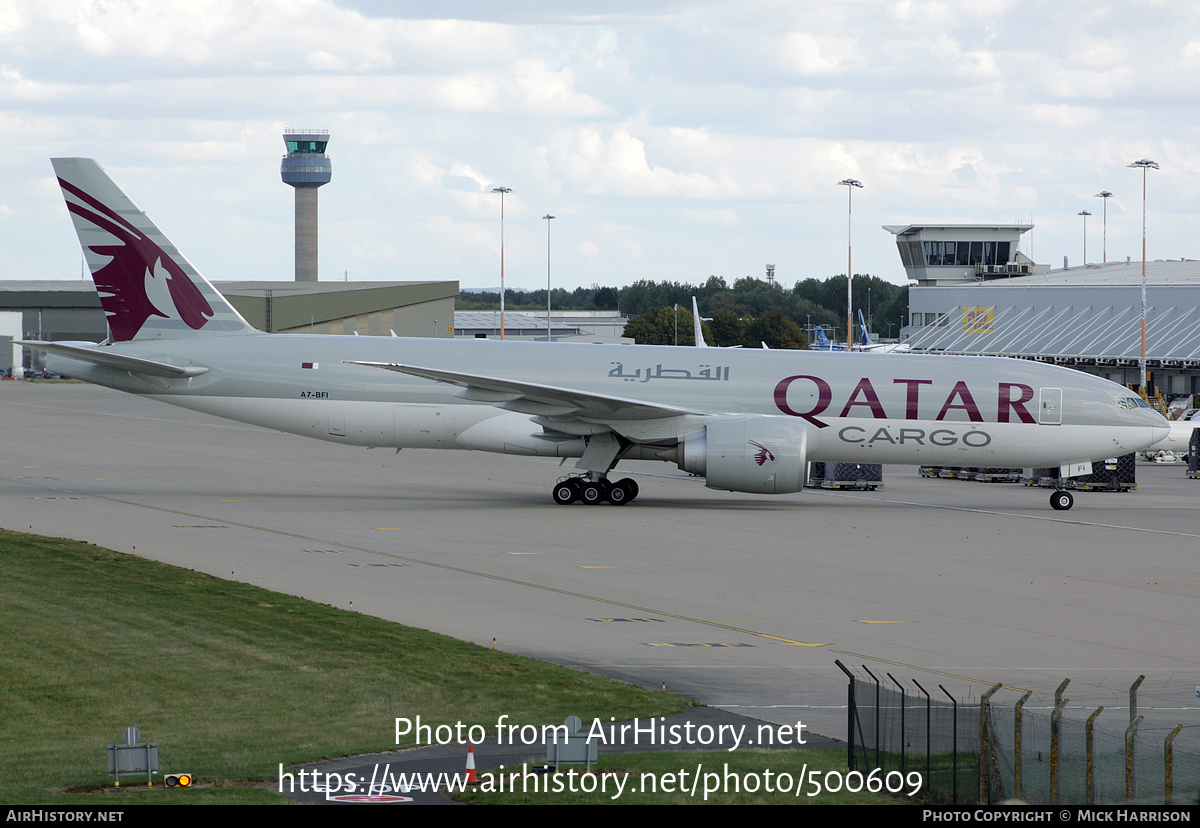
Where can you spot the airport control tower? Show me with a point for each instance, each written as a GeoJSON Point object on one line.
{"type": "Point", "coordinates": [306, 168]}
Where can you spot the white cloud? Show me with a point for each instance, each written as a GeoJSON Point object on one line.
{"type": "Point", "coordinates": [446, 234]}
{"type": "Point", "coordinates": [546, 92]}
{"type": "Point", "coordinates": [682, 140]}
{"type": "Point", "coordinates": [809, 54]}
{"type": "Point", "coordinates": [321, 59]}
{"type": "Point", "coordinates": [466, 171]}
{"type": "Point", "coordinates": [616, 161]}
{"type": "Point", "coordinates": [718, 216]}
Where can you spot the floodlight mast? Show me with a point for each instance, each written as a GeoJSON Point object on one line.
{"type": "Point", "coordinates": [502, 191]}
{"type": "Point", "coordinates": [1106, 195]}
{"type": "Point", "coordinates": [1085, 214]}
{"type": "Point", "coordinates": [850, 184]}
{"type": "Point", "coordinates": [548, 218]}
{"type": "Point", "coordinates": [1144, 164]}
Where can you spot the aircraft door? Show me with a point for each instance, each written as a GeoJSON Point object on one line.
{"type": "Point", "coordinates": [1050, 406]}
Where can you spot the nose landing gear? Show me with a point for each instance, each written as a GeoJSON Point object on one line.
{"type": "Point", "coordinates": [1061, 501]}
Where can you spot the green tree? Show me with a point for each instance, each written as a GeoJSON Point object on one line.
{"type": "Point", "coordinates": [725, 329]}
{"type": "Point", "coordinates": [775, 329]}
{"type": "Point", "coordinates": [658, 327]}
{"type": "Point", "coordinates": [606, 298]}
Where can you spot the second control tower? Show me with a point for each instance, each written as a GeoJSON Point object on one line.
{"type": "Point", "coordinates": [306, 168]}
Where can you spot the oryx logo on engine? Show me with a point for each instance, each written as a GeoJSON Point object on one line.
{"type": "Point", "coordinates": [763, 454]}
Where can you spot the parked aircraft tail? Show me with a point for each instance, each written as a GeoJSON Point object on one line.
{"type": "Point", "coordinates": [864, 338]}
{"type": "Point", "coordinates": [823, 342]}
{"type": "Point", "coordinates": [147, 288]}
{"type": "Point", "coordinates": [696, 321]}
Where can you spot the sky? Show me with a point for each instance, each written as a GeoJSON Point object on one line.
{"type": "Point", "coordinates": [670, 140]}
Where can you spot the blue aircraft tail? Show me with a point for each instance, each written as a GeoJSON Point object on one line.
{"type": "Point", "coordinates": [864, 338]}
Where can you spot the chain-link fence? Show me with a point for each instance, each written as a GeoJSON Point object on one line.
{"type": "Point", "coordinates": [988, 751]}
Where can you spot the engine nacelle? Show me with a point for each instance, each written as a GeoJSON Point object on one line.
{"type": "Point", "coordinates": [761, 455]}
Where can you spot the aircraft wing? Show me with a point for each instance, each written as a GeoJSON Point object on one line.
{"type": "Point", "coordinates": [544, 400]}
{"type": "Point", "coordinates": [99, 356]}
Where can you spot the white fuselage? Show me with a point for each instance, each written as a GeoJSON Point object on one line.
{"type": "Point", "coordinates": [857, 407]}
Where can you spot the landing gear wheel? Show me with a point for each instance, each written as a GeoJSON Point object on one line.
{"type": "Point", "coordinates": [591, 493]}
{"type": "Point", "coordinates": [566, 492]}
{"type": "Point", "coordinates": [1060, 501]}
{"type": "Point", "coordinates": [620, 493]}
{"type": "Point", "coordinates": [630, 485]}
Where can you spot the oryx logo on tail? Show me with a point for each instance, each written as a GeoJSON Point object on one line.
{"type": "Point", "coordinates": [139, 280]}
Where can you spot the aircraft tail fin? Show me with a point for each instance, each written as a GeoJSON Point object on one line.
{"type": "Point", "coordinates": [864, 338]}
{"type": "Point", "coordinates": [147, 288]}
{"type": "Point", "coordinates": [700, 343]}
{"type": "Point", "coordinates": [822, 339]}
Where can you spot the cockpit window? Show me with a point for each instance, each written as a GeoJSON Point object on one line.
{"type": "Point", "coordinates": [1131, 402]}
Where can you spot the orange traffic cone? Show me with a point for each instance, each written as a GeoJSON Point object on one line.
{"type": "Point", "coordinates": [472, 779]}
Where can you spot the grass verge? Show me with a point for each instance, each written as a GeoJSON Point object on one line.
{"type": "Point", "coordinates": [230, 679]}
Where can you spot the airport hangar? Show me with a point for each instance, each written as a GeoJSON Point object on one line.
{"type": "Point", "coordinates": [975, 294]}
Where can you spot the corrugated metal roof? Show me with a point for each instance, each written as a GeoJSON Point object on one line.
{"type": "Point", "coordinates": [515, 324]}
{"type": "Point", "coordinates": [1164, 272]}
{"type": "Point", "coordinates": [1086, 314]}
{"type": "Point", "coordinates": [1071, 333]}
{"type": "Point", "coordinates": [486, 320]}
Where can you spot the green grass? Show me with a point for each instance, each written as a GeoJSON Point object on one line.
{"type": "Point", "coordinates": [677, 771]}
{"type": "Point", "coordinates": [229, 679]}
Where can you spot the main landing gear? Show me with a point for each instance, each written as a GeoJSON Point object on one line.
{"type": "Point", "coordinates": [592, 491]}
{"type": "Point", "coordinates": [1061, 500]}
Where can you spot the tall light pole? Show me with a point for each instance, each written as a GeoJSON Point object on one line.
{"type": "Point", "coordinates": [548, 217]}
{"type": "Point", "coordinates": [849, 184]}
{"type": "Point", "coordinates": [1106, 195]}
{"type": "Point", "coordinates": [1085, 214]}
{"type": "Point", "coordinates": [502, 191]}
{"type": "Point", "coordinates": [1144, 164]}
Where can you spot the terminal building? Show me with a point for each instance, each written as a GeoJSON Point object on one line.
{"type": "Point", "coordinates": [961, 253]}
{"type": "Point", "coordinates": [976, 294]}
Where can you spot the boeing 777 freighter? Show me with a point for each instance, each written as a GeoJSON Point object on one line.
{"type": "Point", "coordinates": [745, 420]}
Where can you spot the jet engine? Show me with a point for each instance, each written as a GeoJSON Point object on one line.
{"type": "Point", "coordinates": [761, 455]}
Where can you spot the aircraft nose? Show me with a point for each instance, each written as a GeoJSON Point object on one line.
{"type": "Point", "coordinates": [1160, 427]}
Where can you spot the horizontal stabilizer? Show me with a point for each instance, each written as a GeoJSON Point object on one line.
{"type": "Point", "coordinates": [99, 356]}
